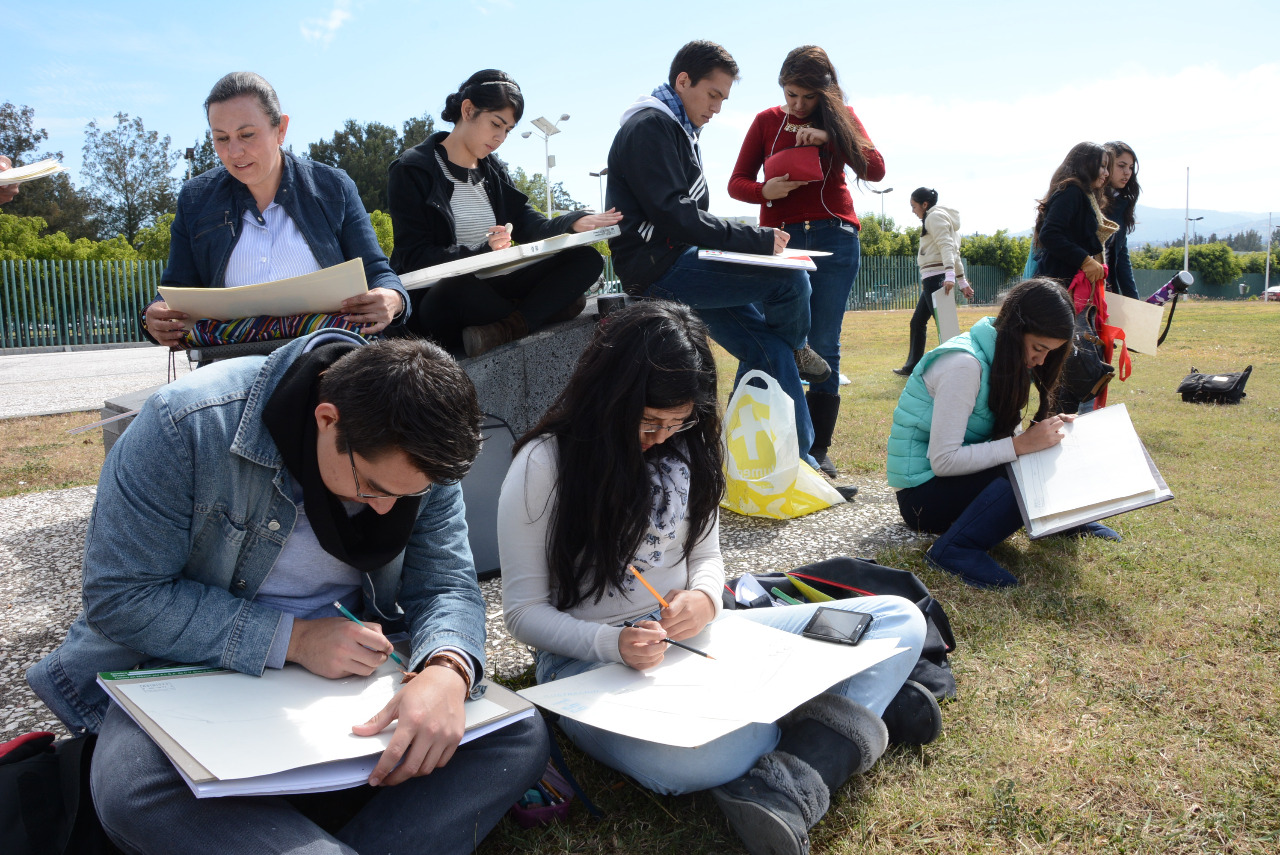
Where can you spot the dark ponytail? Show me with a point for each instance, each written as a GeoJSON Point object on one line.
{"type": "Point", "coordinates": [927, 197]}
{"type": "Point", "coordinates": [490, 90]}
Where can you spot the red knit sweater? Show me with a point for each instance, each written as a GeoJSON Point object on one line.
{"type": "Point", "coordinates": [766, 136]}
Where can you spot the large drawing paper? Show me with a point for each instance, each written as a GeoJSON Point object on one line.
{"type": "Point", "coordinates": [486, 264]}
{"type": "Point", "coordinates": [759, 674]}
{"type": "Point", "coordinates": [1100, 469]}
{"type": "Point", "coordinates": [30, 172]}
{"type": "Point", "coordinates": [1139, 319]}
{"type": "Point", "coordinates": [288, 731]}
{"type": "Point", "coordinates": [794, 261]}
{"type": "Point", "coordinates": [321, 292]}
{"type": "Point", "coordinates": [944, 304]}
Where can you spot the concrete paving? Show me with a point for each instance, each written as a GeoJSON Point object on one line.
{"type": "Point", "coordinates": [36, 384]}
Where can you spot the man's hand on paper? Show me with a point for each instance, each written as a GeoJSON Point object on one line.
{"type": "Point", "coordinates": [9, 191]}
{"type": "Point", "coordinates": [641, 645]}
{"type": "Point", "coordinates": [166, 325]}
{"type": "Point", "coordinates": [375, 309]}
{"type": "Point", "coordinates": [336, 647]}
{"type": "Point", "coordinates": [431, 722]}
{"type": "Point", "coordinates": [688, 614]}
{"type": "Point", "coordinates": [780, 240]}
{"type": "Point", "coordinates": [610, 217]}
{"type": "Point", "coordinates": [1041, 435]}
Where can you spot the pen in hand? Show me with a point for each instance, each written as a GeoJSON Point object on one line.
{"type": "Point", "coordinates": [679, 644]}
{"type": "Point", "coordinates": [395, 657]}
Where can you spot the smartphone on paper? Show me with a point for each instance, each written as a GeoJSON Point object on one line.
{"type": "Point", "coordinates": [842, 627]}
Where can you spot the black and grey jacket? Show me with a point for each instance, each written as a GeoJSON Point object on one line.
{"type": "Point", "coordinates": [657, 184]}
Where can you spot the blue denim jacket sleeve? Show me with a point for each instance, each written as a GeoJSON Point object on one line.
{"type": "Point", "coordinates": [438, 588]}
{"type": "Point", "coordinates": [143, 535]}
{"type": "Point", "coordinates": [358, 240]}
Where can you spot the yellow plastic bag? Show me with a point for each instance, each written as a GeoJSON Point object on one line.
{"type": "Point", "coordinates": [764, 474]}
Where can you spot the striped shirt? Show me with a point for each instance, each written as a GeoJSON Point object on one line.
{"type": "Point", "coordinates": [269, 248]}
{"type": "Point", "coordinates": [472, 212]}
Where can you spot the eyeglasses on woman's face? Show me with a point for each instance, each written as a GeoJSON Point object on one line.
{"type": "Point", "coordinates": [651, 428]}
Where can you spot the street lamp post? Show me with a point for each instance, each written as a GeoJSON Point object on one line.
{"type": "Point", "coordinates": [881, 194]}
{"type": "Point", "coordinates": [1266, 281]}
{"type": "Point", "coordinates": [542, 123]}
{"type": "Point", "coordinates": [1186, 226]}
{"type": "Point", "coordinates": [599, 176]}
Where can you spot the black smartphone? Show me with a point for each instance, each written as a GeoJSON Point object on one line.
{"type": "Point", "coordinates": [842, 627]}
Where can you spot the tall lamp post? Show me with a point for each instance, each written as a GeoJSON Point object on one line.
{"type": "Point", "coordinates": [1266, 280]}
{"type": "Point", "coordinates": [549, 130]}
{"type": "Point", "coordinates": [881, 193]}
{"type": "Point", "coordinates": [599, 176]}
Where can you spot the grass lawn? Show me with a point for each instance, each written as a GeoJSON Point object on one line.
{"type": "Point", "coordinates": [1123, 699]}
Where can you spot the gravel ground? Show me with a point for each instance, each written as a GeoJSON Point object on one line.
{"type": "Point", "coordinates": [42, 537]}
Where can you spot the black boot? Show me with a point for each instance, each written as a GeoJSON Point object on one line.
{"type": "Point", "coordinates": [482, 339]}
{"type": "Point", "coordinates": [913, 717]}
{"type": "Point", "coordinates": [824, 742]}
{"type": "Point", "coordinates": [823, 411]}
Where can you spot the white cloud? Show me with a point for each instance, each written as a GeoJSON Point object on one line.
{"type": "Point", "coordinates": [323, 30]}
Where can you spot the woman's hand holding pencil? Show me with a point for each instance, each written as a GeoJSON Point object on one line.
{"type": "Point", "coordinates": [641, 644]}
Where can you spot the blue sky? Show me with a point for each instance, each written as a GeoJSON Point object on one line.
{"type": "Point", "coordinates": [979, 99]}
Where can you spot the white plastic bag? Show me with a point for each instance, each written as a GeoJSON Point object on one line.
{"type": "Point", "coordinates": [764, 474]}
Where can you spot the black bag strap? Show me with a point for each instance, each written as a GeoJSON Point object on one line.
{"type": "Point", "coordinates": [1168, 322]}
{"type": "Point", "coordinates": [557, 757]}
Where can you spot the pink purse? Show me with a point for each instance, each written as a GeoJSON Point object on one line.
{"type": "Point", "coordinates": [801, 163]}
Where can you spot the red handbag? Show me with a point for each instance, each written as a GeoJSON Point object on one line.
{"type": "Point", "coordinates": [801, 163]}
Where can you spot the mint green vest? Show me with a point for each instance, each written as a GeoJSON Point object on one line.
{"type": "Point", "coordinates": [909, 437]}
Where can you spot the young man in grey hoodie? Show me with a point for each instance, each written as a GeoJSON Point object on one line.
{"type": "Point", "coordinates": [759, 314]}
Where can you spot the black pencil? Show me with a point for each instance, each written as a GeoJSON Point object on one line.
{"type": "Point", "coordinates": [679, 644]}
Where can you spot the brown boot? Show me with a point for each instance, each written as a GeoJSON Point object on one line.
{"type": "Point", "coordinates": [569, 312]}
{"type": "Point", "coordinates": [478, 340]}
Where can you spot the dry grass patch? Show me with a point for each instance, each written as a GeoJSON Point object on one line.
{"type": "Point", "coordinates": [37, 454]}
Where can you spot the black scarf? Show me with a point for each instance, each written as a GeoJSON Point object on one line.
{"type": "Point", "coordinates": [365, 541]}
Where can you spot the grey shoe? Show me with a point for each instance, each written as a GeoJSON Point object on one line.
{"type": "Point", "coordinates": [813, 368]}
{"type": "Point", "coordinates": [773, 806]}
{"type": "Point", "coordinates": [913, 717]}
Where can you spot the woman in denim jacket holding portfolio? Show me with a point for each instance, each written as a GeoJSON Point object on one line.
{"type": "Point", "coordinates": [266, 215]}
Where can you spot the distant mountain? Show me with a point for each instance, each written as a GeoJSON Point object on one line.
{"type": "Point", "coordinates": [1159, 225]}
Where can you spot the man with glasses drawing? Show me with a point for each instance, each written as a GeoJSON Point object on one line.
{"type": "Point", "coordinates": [242, 502]}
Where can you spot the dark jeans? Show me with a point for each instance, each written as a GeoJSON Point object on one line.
{"type": "Point", "coordinates": [920, 318]}
{"type": "Point", "coordinates": [937, 503]}
{"type": "Point", "coordinates": [146, 807]}
{"type": "Point", "coordinates": [537, 292]}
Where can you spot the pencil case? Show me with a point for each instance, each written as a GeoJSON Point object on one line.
{"type": "Point", "coordinates": [534, 810]}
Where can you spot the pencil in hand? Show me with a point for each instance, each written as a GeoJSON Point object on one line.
{"type": "Point", "coordinates": [651, 589]}
{"type": "Point", "coordinates": [679, 644]}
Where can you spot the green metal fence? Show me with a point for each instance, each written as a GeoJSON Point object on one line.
{"type": "Point", "coordinates": [62, 303]}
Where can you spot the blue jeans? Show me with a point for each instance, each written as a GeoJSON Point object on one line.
{"type": "Point", "coordinates": [831, 284]}
{"type": "Point", "coordinates": [759, 314]}
{"type": "Point", "coordinates": [670, 770]}
{"type": "Point", "coordinates": [146, 807]}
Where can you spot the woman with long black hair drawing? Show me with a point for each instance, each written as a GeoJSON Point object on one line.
{"type": "Point", "coordinates": [940, 265]}
{"type": "Point", "coordinates": [818, 214]}
{"type": "Point", "coordinates": [958, 423]}
{"type": "Point", "coordinates": [626, 469]}
{"type": "Point", "coordinates": [451, 199]}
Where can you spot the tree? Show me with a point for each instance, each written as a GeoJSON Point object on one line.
{"type": "Point", "coordinates": [153, 241]}
{"type": "Point", "coordinates": [415, 131]}
{"type": "Point", "coordinates": [129, 172]}
{"type": "Point", "coordinates": [26, 238]}
{"type": "Point", "coordinates": [205, 158]}
{"type": "Point", "coordinates": [382, 230]}
{"type": "Point", "coordinates": [1213, 263]}
{"type": "Point", "coordinates": [54, 200]}
{"type": "Point", "coordinates": [365, 153]}
{"type": "Point", "coordinates": [881, 237]}
{"type": "Point", "coordinates": [535, 187]}
{"type": "Point", "coordinates": [1000, 250]}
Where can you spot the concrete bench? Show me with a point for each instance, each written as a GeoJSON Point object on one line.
{"type": "Point", "coordinates": [516, 382]}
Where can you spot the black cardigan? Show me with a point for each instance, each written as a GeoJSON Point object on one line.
{"type": "Point", "coordinates": [1068, 235]}
{"type": "Point", "coordinates": [422, 221]}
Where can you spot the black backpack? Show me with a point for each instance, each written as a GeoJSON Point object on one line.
{"type": "Point", "coordinates": [1086, 371]}
{"type": "Point", "coordinates": [45, 805]}
{"type": "Point", "coordinates": [1199, 388]}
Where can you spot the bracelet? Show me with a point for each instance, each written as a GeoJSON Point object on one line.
{"type": "Point", "coordinates": [445, 660]}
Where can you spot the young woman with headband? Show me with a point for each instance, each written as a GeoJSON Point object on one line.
{"type": "Point", "coordinates": [818, 214]}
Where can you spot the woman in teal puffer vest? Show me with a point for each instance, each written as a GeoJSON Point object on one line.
{"type": "Point", "coordinates": [957, 424]}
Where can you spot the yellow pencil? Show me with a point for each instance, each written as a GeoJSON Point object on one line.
{"type": "Point", "coordinates": [665, 604]}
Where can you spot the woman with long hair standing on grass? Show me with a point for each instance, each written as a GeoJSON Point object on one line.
{"type": "Point", "coordinates": [818, 214]}
{"type": "Point", "coordinates": [1122, 198]}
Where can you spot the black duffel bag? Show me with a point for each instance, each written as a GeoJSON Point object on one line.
{"type": "Point", "coordinates": [842, 578]}
{"type": "Point", "coordinates": [1199, 388]}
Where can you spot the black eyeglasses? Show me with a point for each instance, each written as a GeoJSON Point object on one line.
{"type": "Point", "coordinates": [650, 427]}
{"type": "Point", "coordinates": [356, 476]}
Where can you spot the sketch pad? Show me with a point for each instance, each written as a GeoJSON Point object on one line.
{"type": "Point", "coordinates": [1099, 470]}
{"type": "Point", "coordinates": [288, 731]}
{"type": "Point", "coordinates": [759, 675]}
{"type": "Point", "coordinates": [320, 293]}
{"type": "Point", "coordinates": [500, 261]}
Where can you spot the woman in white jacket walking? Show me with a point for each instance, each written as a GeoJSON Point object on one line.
{"type": "Point", "coordinates": [940, 265]}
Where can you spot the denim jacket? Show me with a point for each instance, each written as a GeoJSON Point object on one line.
{"type": "Point", "coordinates": [193, 507]}
{"type": "Point", "coordinates": [321, 200]}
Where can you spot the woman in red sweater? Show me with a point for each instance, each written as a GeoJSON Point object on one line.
{"type": "Point", "coordinates": [818, 214]}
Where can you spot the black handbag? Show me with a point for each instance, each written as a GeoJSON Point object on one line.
{"type": "Point", "coordinates": [1086, 372]}
{"type": "Point", "coordinates": [842, 578]}
{"type": "Point", "coordinates": [1199, 388]}
{"type": "Point", "coordinates": [45, 804]}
